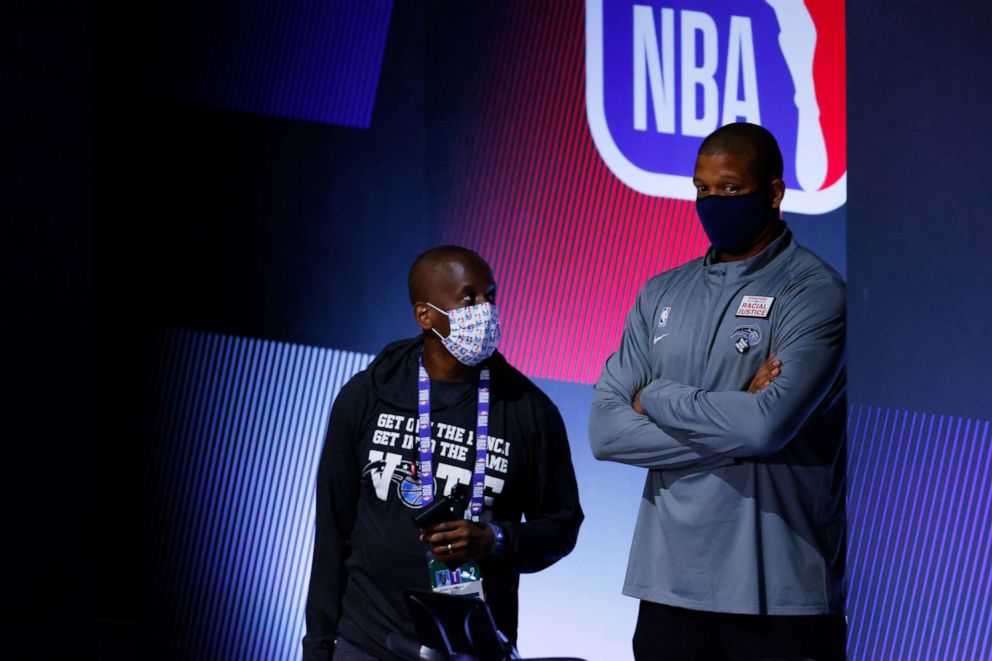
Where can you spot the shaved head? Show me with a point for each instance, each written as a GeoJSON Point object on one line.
{"type": "Point", "coordinates": [435, 269]}
{"type": "Point", "coordinates": [750, 140]}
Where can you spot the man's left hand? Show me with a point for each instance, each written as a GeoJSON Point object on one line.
{"type": "Point", "coordinates": [637, 403]}
{"type": "Point", "coordinates": [455, 541]}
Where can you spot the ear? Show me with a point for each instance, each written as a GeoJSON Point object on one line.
{"type": "Point", "coordinates": [422, 313]}
{"type": "Point", "coordinates": [778, 192]}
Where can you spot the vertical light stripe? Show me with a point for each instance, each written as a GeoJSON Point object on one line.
{"type": "Point", "coordinates": [919, 561]}
{"type": "Point", "coordinates": [235, 433]}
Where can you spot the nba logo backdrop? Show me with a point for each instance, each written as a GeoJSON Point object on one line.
{"type": "Point", "coordinates": [662, 75]}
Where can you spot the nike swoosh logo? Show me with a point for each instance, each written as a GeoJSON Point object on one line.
{"type": "Point", "coordinates": [661, 337]}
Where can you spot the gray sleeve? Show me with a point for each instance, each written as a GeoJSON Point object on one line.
{"type": "Point", "coordinates": [616, 431]}
{"type": "Point", "coordinates": [740, 424]}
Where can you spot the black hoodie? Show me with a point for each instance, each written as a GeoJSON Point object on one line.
{"type": "Point", "coordinates": [367, 550]}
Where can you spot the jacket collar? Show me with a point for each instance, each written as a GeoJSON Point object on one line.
{"type": "Point", "coordinates": [727, 273]}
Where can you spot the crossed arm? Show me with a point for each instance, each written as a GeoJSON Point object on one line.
{"type": "Point", "coordinates": [768, 372]}
{"type": "Point", "coordinates": [657, 423]}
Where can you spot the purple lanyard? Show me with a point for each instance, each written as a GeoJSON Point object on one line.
{"type": "Point", "coordinates": [426, 451]}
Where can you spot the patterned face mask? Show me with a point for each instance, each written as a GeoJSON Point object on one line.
{"type": "Point", "coordinates": [474, 332]}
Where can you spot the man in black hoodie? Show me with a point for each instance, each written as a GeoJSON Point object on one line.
{"type": "Point", "coordinates": [374, 473]}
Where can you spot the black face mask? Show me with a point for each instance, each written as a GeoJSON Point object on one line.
{"type": "Point", "coordinates": [733, 222]}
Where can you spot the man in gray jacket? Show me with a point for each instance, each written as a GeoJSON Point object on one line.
{"type": "Point", "coordinates": [729, 387]}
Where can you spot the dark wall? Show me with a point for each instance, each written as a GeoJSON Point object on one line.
{"type": "Point", "coordinates": [919, 228]}
{"type": "Point", "coordinates": [45, 242]}
{"type": "Point", "coordinates": [919, 288]}
{"type": "Point", "coordinates": [251, 224]}
{"type": "Point", "coordinates": [238, 223]}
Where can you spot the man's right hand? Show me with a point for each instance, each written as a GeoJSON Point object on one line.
{"type": "Point", "coordinates": [768, 372]}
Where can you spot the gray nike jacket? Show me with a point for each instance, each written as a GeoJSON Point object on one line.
{"type": "Point", "coordinates": [743, 506]}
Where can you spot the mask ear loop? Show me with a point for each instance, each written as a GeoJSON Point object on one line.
{"type": "Point", "coordinates": [442, 312]}
{"type": "Point", "coordinates": [439, 309]}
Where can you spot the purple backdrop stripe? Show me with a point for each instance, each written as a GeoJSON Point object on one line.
{"type": "Point", "coordinates": [315, 61]}
{"type": "Point", "coordinates": [919, 503]}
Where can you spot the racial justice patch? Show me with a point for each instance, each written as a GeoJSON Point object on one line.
{"type": "Point", "coordinates": [755, 306]}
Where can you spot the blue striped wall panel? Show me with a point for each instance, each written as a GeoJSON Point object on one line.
{"type": "Point", "coordinates": [920, 552]}
{"type": "Point", "coordinates": [234, 427]}
{"type": "Point", "coordinates": [315, 61]}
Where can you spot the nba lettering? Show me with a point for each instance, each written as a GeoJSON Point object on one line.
{"type": "Point", "coordinates": [649, 64]}
{"type": "Point", "coordinates": [662, 75]}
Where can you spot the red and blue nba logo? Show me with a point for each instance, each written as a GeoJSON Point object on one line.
{"type": "Point", "coordinates": [663, 74]}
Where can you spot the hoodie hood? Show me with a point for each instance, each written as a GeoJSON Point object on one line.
{"type": "Point", "coordinates": [394, 374]}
